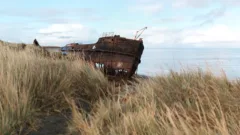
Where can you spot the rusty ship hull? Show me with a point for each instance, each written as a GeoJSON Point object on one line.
{"type": "Point", "coordinates": [114, 55]}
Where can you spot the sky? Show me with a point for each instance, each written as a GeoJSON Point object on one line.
{"type": "Point", "coordinates": [171, 23]}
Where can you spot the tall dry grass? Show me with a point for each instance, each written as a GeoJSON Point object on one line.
{"type": "Point", "coordinates": [190, 102]}
{"type": "Point", "coordinates": [31, 83]}
{"type": "Point", "coordinates": [186, 103]}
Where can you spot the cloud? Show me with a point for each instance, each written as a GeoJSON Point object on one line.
{"type": "Point", "coordinates": [231, 2]}
{"type": "Point", "coordinates": [191, 3]}
{"type": "Point", "coordinates": [17, 32]}
{"type": "Point", "coordinates": [215, 13]}
{"type": "Point", "coordinates": [170, 20]}
{"type": "Point", "coordinates": [60, 28]}
{"type": "Point", "coordinates": [211, 16]}
{"type": "Point", "coordinates": [53, 15]}
{"type": "Point", "coordinates": [61, 34]}
{"type": "Point", "coordinates": [203, 3]}
{"type": "Point", "coordinates": [214, 34]}
{"type": "Point", "coordinates": [44, 12]}
{"type": "Point", "coordinates": [148, 7]}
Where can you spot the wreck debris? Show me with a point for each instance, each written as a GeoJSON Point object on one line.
{"type": "Point", "coordinates": [114, 55]}
{"type": "Point", "coordinates": [141, 31]}
{"type": "Point", "coordinates": [35, 42]}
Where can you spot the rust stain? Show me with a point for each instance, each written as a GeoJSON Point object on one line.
{"type": "Point", "coordinates": [115, 55]}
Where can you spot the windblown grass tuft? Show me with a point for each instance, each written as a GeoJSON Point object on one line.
{"type": "Point", "coordinates": [31, 83]}
{"type": "Point", "coordinates": [190, 102]}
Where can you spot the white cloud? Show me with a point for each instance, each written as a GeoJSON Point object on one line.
{"type": "Point", "coordinates": [203, 3]}
{"type": "Point", "coordinates": [53, 14]}
{"type": "Point", "coordinates": [190, 3]}
{"type": "Point", "coordinates": [231, 2]}
{"type": "Point", "coordinates": [55, 28]}
{"type": "Point", "coordinates": [213, 14]}
{"type": "Point", "coordinates": [170, 19]}
{"type": "Point", "coordinates": [17, 32]}
{"type": "Point", "coordinates": [214, 34]}
{"type": "Point", "coordinates": [148, 7]}
{"type": "Point", "coordinates": [60, 34]}
{"type": "Point", "coordinates": [44, 12]}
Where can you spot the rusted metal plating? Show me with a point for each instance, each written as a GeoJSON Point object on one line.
{"type": "Point", "coordinates": [114, 55]}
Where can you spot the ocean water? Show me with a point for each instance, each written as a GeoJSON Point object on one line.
{"type": "Point", "coordinates": [219, 61]}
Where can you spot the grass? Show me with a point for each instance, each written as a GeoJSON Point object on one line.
{"type": "Point", "coordinates": [185, 103]}
{"type": "Point", "coordinates": [31, 83]}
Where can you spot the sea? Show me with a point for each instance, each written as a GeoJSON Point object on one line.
{"type": "Point", "coordinates": [220, 61]}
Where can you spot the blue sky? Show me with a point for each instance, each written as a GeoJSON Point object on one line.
{"type": "Point", "coordinates": [171, 23]}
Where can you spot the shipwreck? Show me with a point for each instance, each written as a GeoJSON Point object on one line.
{"type": "Point", "coordinates": [116, 56]}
